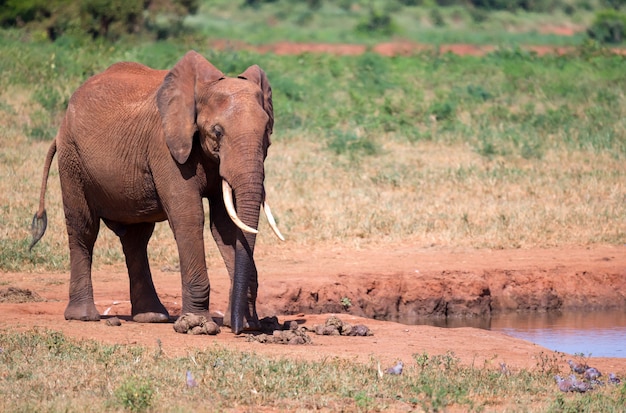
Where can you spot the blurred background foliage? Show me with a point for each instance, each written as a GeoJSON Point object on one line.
{"type": "Point", "coordinates": [604, 20]}
{"type": "Point", "coordinates": [108, 19]}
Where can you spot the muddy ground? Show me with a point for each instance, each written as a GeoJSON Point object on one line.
{"type": "Point", "coordinates": [307, 286]}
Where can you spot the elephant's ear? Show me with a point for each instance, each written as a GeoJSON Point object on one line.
{"type": "Point", "coordinates": [176, 100]}
{"type": "Point", "coordinates": [257, 75]}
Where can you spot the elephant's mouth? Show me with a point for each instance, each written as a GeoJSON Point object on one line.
{"type": "Point", "coordinates": [227, 192]}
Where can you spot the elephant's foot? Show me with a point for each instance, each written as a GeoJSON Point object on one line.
{"type": "Point", "coordinates": [151, 317]}
{"type": "Point", "coordinates": [83, 311]}
{"type": "Point", "coordinates": [153, 312]}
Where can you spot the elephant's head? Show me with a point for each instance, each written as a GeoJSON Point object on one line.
{"type": "Point", "coordinates": [233, 119]}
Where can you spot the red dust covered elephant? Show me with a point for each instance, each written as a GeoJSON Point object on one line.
{"type": "Point", "coordinates": [139, 146]}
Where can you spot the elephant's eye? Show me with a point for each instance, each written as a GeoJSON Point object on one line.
{"type": "Point", "coordinates": [218, 131]}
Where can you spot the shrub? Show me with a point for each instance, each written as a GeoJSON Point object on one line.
{"type": "Point", "coordinates": [609, 26]}
{"type": "Point", "coordinates": [98, 18]}
{"type": "Point", "coordinates": [135, 395]}
{"type": "Point", "coordinates": [512, 5]}
{"type": "Point", "coordinates": [256, 3]}
{"type": "Point", "coordinates": [616, 4]}
{"type": "Point", "coordinates": [352, 144]}
{"type": "Point", "coordinates": [377, 22]}
{"type": "Point", "coordinates": [443, 110]}
{"type": "Point", "coordinates": [436, 17]}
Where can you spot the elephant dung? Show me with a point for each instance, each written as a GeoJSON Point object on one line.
{"type": "Point", "coordinates": [291, 337]}
{"type": "Point", "coordinates": [274, 332]}
{"type": "Point", "coordinates": [195, 324]}
{"type": "Point", "coordinates": [113, 322]}
{"type": "Point", "coordinates": [335, 327]}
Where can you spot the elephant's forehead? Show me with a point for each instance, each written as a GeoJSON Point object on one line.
{"type": "Point", "coordinates": [234, 86]}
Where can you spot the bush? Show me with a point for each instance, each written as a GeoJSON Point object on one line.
{"type": "Point", "coordinates": [377, 22]}
{"type": "Point", "coordinates": [98, 18]}
{"type": "Point", "coordinates": [352, 144]}
{"type": "Point", "coordinates": [616, 4]}
{"type": "Point", "coordinates": [135, 394]}
{"type": "Point", "coordinates": [106, 18]}
{"type": "Point", "coordinates": [609, 26]}
{"type": "Point", "coordinates": [512, 5]}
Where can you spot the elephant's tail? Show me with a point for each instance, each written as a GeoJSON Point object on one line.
{"type": "Point", "coordinates": [40, 220]}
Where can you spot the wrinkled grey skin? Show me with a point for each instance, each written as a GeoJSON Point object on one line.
{"type": "Point", "coordinates": [139, 146]}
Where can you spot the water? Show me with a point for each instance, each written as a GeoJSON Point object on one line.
{"type": "Point", "coordinates": [599, 333]}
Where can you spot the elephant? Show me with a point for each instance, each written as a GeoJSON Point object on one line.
{"type": "Point", "coordinates": [138, 146]}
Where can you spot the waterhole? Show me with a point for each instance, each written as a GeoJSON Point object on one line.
{"type": "Point", "coordinates": [597, 333]}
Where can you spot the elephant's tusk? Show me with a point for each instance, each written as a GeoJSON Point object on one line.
{"type": "Point", "coordinates": [227, 192]}
{"type": "Point", "coordinates": [272, 221]}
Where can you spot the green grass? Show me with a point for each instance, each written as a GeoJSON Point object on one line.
{"type": "Point", "coordinates": [105, 377]}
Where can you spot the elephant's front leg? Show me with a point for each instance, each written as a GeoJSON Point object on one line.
{"type": "Point", "coordinates": [188, 231]}
{"type": "Point", "coordinates": [146, 306]}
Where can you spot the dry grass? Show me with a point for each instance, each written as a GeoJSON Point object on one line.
{"type": "Point", "coordinates": [432, 194]}
{"type": "Point", "coordinates": [448, 195]}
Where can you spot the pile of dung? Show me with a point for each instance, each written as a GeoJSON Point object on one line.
{"type": "Point", "coordinates": [195, 324]}
{"type": "Point", "coordinates": [292, 333]}
{"type": "Point", "coordinates": [274, 332]}
{"type": "Point", "coordinates": [113, 322]}
{"type": "Point", "coordinates": [19, 295]}
{"type": "Point", "coordinates": [335, 327]}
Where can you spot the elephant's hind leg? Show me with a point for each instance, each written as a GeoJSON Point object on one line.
{"type": "Point", "coordinates": [146, 306]}
{"type": "Point", "coordinates": [82, 231]}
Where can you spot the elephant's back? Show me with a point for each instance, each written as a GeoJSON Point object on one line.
{"type": "Point", "coordinates": [110, 121]}
{"type": "Point", "coordinates": [121, 82]}
{"type": "Point", "coordinates": [114, 101]}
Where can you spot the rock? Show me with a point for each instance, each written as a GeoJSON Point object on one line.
{"type": "Point", "coordinates": [579, 385]}
{"type": "Point", "coordinates": [395, 370]}
{"type": "Point", "coordinates": [191, 382]}
{"type": "Point", "coordinates": [565, 385]}
{"type": "Point", "coordinates": [576, 367]}
{"type": "Point", "coordinates": [592, 374]}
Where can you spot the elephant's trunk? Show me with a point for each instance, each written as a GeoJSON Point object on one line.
{"type": "Point", "coordinates": [248, 194]}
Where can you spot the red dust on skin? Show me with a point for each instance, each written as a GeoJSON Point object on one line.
{"type": "Point", "coordinates": [371, 277]}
